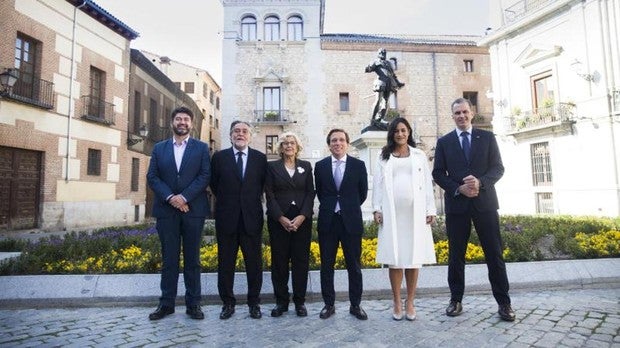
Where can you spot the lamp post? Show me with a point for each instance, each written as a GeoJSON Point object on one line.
{"type": "Point", "coordinates": [143, 132]}
{"type": "Point", "coordinates": [8, 79]}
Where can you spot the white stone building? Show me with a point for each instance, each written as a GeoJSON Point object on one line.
{"type": "Point", "coordinates": [556, 94]}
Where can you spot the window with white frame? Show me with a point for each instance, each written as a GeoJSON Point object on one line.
{"type": "Point", "coordinates": [248, 28]}
{"type": "Point", "coordinates": [541, 164]}
{"type": "Point", "coordinates": [295, 28]}
{"type": "Point", "coordinates": [544, 203]}
{"type": "Point", "coordinates": [271, 101]}
{"type": "Point", "coordinates": [272, 28]}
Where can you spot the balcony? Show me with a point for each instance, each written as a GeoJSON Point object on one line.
{"type": "Point", "coordinates": [33, 91]}
{"type": "Point", "coordinates": [547, 119]}
{"type": "Point", "coordinates": [483, 121]}
{"type": "Point", "coordinates": [97, 110]}
{"type": "Point", "coordinates": [271, 117]}
{"type": "Point", "coordinates": [523, 8]}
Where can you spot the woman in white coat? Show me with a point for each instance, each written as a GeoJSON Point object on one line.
{"type": "Point", "coordinates": [404, 206]}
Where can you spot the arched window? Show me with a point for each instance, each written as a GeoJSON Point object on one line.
{"type": "Point", "coordinates": [295, 27]}
{"type": "Point", "coordinates": [248, 28]}
{"type": "Point", "coordinates": [272, 28]}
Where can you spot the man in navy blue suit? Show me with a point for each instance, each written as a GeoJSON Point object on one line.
{"type": "Point", "coordinates": [179, 173]}
{"type": "Point", "coordinates": [238, 182]}
{"type": "Point", "coordinates": [467, 166]}
{"type": "Point", "coordinates": [341, 183]}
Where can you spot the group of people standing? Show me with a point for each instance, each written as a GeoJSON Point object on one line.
{"type": "Point", "coordinates": [466, 167]}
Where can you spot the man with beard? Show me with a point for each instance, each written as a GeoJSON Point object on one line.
{"type": "Point", "coordinates": [238, 180]}
{"type": "Point", "coordinates": [179, 174]}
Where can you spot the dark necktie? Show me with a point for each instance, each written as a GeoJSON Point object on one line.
{"type": "Point", "coordinates": [466, 145]}
{"type": "Point", "coordinates": [240, 163]}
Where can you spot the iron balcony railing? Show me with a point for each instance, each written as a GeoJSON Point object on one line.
{"type": "Point", "coordinates": [98, 110]}
{"type": "Point", "coordinates": [157, 133]}
{"type": "Point", "coordinates": [271, 116]}
{"type": "Point", "coordinates": [523, 8]}
{"type": "Point", "coordinates": [541, 117]}
{"type": "Point", "coordinates": [32, 90]}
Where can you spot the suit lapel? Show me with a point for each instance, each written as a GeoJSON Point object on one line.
{"type": "Point", "coordinates": [283, 173]}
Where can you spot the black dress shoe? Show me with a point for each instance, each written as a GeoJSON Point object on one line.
{"type": "Point", "coordinates": [227, 311]}
{"type": "Point", "coordinates": [506, 313]}
{"type": "Point", "coordinates": [255, 312]}
{"type": "Point", "coordinates": [327, 311]}
{"type": "Point", "coordinates": [278, 310]}
{"type": "Point", "coordinates": [161, 312]}
{"type": "Point", "coordinates": [358, 312]}
{"type": "Point", "coordinates": [454, 308]}
{"type": "Point", "coordinates": [195, 312]}
{"type": "Point", "coordinates": [301, 311]}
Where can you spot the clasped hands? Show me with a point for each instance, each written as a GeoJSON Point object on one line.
{"type": "Point", "coordinates": [178, 202]}
{"type": "Point", "coordinates": [470, 187]}
{"type": "Point", "coordinates": [291, 225]}
{"type": "Point", "coordinates": [378, 217]}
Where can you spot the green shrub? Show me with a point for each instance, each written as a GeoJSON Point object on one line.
{"type": "Point", "coordinates": [137, 249]}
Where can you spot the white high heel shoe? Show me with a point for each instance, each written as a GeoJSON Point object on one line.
{"type": "Point", "coordinates": [412, 316]}
{"type": "Point", "coordinates": [398, 316]}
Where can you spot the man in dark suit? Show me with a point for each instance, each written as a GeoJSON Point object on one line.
{"type": "Point", "coordinates": [237, 183]}
{"type": "Point", "coordinates": [179, 173]}
{"type": "Point", "coordinates": [467, 166]}
{"type": "Point", "coordinates": [342, 186]}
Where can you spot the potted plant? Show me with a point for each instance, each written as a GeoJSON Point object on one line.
{"type": "Point", "coordinates": [271, 116]}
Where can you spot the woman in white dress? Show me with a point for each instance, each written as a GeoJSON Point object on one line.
{"type": "Point", "coordinates": [404, 206]}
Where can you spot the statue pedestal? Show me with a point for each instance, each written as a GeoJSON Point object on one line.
{"type": "Point", "coordinates": [368, 146]}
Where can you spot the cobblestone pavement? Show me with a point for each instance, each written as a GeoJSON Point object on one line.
{"type": "Point", "coordinates": [569, 318]}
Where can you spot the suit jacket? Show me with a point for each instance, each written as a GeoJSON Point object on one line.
{"type": "Point", "coordinates": [238, 199]}
{"type": "Point", "coordinates": [191, 180]}
{"type": "Point", "coordinates": [451, 167]}
{"type": "Point", "coordinates": [282, 190]}
{"type": "Point", "coordinates": [353, 192]}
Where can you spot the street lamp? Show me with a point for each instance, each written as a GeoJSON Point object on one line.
{"type": "Point", "coordinates": [143, 131]}
{"type": "Point", "coordinates": [577, 67]}
{"type": "Point", "coordinates": [8, 79]}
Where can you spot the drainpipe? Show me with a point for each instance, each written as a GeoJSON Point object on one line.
{"type": "Point", "coordinates": [71, 79]}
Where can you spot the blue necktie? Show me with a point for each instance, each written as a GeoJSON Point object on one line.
{"type": "Point", "coordinates": [466, 145]}
{"type": "Point", "coordinates": [240, 163]}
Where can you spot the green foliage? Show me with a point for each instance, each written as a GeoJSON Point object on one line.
{"type": "Point", "coordinates": [129, 250]}
{"type": "Point", "coordinates": [12, 245]}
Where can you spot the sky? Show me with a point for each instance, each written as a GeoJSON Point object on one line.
{"type": "Point", "coordinates": [189, 31]}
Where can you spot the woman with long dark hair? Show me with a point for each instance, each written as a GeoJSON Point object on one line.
{"type": "Point", "coordinates": [404, 206]}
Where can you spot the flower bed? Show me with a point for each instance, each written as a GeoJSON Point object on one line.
{"type": "Point", "coordinates": [137, 249]}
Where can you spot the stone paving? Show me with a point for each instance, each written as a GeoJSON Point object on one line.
{"type": "Point", "coordinates": [550, 318]}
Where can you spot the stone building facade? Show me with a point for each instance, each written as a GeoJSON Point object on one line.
{"type": "Point", "coordinates": [282, 73]}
